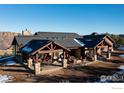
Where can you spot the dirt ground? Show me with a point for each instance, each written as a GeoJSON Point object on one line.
{"type": "Point", "coordinates": [78, 73]}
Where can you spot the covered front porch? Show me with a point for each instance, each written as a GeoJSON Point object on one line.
{"type": "Point", "coordinates": [49, 57]}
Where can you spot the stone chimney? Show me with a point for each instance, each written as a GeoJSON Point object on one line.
{"type": "Point", "coordinates": [26, 32]}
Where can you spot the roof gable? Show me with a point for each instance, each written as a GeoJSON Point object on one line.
{"type": "Point", "coordinates": [91, 41]}
{"type": "Point", "coordinates": [35, 45]}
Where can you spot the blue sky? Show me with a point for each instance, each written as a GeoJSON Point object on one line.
{"type": "Point", "coordinates": [82, 19]}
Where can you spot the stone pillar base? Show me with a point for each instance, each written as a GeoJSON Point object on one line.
{"type": "Point", "coordinates": [84, 60]}
{"type": "Point", "coordinates": [108, 55]}
{"type": "Point", "coordinates": [64, 63]}
{"type": "Point", "coordinates": [95, 57]}
{"type": "Point", "coordinates": [37, 68]}
{"type": "Point", "coordinates": [79, 61]}
{"type": "Point", "coordinates": [30, 62]}
{"type": "Point", "coordinates": [75, 61]}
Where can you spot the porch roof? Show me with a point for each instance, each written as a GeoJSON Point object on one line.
{"type": "Point", "coordinates": [36, 44]}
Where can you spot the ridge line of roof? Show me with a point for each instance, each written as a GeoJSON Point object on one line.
{"type": "Point", "coordinates": [58, 32]}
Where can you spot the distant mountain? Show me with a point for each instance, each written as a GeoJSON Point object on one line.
{"type": "Point", "coordinates": [6, 39]}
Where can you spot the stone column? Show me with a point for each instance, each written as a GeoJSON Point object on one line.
{"type": "Point", "coordinates": [95, 57]}
{"type": "Point", "coordinates": [75, 61]}
{"type": "Point", "coordinates": [63, 54]}
{"type": "Point", "coordinates": [30, 62]}
{"type": "Point", "coordinates": [37, 68]}
{"type": "Point", "coordinates": [108, 55]}
{"type": "Point", "coordinates": [64, 63]}
{"type": "Point", "coordinates": [52, 57]}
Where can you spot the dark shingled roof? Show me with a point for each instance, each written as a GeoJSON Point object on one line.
{"type": "Point", "coordinates": [25, 39]}
{"type": "Point", "coordinates": [68, 42]}
{"type": "Point", "coordinates": [91, 41]}
{"type": "Point", "coordinates": [34, 45]}
{"type": "Point", "coordinates": [63, 38]}
{"type": "Point", "coordinates": [57, 35]}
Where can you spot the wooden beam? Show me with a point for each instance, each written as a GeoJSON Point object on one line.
{"type": "Point", "coordinates": [101, 46]}
{"type": "Point", "coordinates": [89, 49]}
{"type": "Point", "coordinates": [41, 48]}
{"type": "Point", "coordinates": [94, 51]}
{"type": "Point", "coordinates": [48, 47]}
{"type": "Point", "coordinates": [62, 46]}
{"type": "Point", "coordinates": [49, 51]}
{"type": "Point", "coordinates": [54, 47]}
{"type": "Point", "coordinates": [36, 57]}
{"type": "Point", "coordinates": [95, 55]}
{"type": "Point", "coordinates": [110, 47]}
{"type": "Point", "coordinates": [108, 42]}
{"type": "Point", "coordinates": [63, 54]}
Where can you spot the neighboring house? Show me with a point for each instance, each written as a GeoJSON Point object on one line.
{"type": "Point", "coordinates": [64, 47]}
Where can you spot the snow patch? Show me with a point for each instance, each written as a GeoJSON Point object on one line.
{"type": "Point", "coordinates": [5, 78]}
{"type": "Point", "coordinates": [121, 56]}
{"type": "Point", "coordinates": [79, 42]}
{"type": "Point", "coordinates": [7, 58]}
{"type": "Point", "coordinates": [117, 76]}
{"type": "Point", "coordinates": [121, 67]}
{"type": "Point", "coordinates": [103, 81]}
{"type": "Point", "coordinates": [10, 63]}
